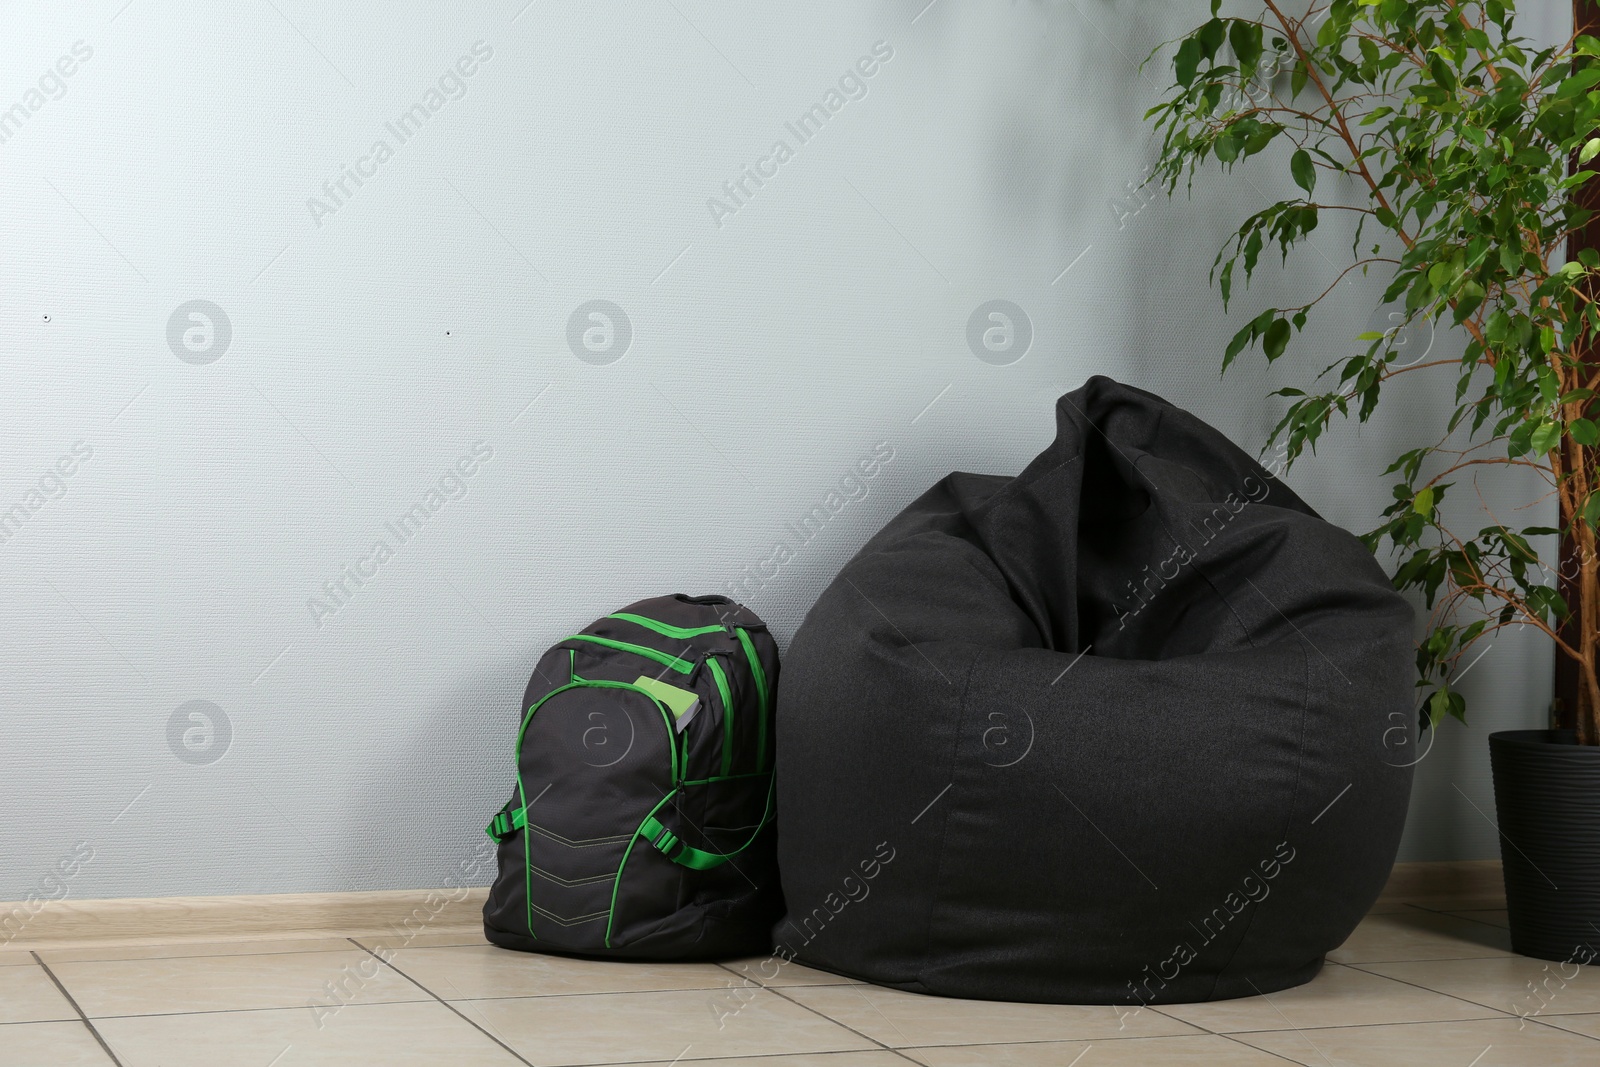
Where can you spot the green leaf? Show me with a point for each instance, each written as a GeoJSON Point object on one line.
{"type": "Point", "coordinates": [1422, 503]}
{"type": "Point", "coordinates": [1590, 149]}
{"type": "Point", "coordinates": [1546, 436]}
{"type": "Point", "coordinates": [1276, 340]}
{"type": "Point", "coordinates": [1246, 40]}
{"type": "Point", "coordinates": [1591, 511]}
{"type": "Point", "coordinates": [1468, 298]}
{"type": "Point", "coordinates": [1579, 82]}
{"type": "Point", "coordinates": [1187, 61]}
{"type": "Point", "coordinates": [1305, 173]}
{"type": "Point", "coordinates": [1329, 32]}
{"type": "Point", "coordinates": [1584, 432]}
{"type": "Point", "coordinates": [1443, 702]}
{"type": "Point", "coordinates": [1236, 345]}
{"type": "Point", "coordinates": [1441, 72]}
{"type": "Point", "coordinates": [1226, 147]}
{"type": "Point", "coordinates": [1517, 444]}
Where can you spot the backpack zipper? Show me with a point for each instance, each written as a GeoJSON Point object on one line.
{"type": "Point", "coordinates": [682, 666]}
{"type": "Point", "coordinates": [667, 629]}
{"type": "Point", "coordinates": [721, 678]}
{"type": "Point", "coordinates": [761, 695]}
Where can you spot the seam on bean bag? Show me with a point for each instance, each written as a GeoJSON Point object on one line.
{"type": "Point", "coordinates": [1288, 819]}
{"type": "Point", "coordinates": [944, 825]}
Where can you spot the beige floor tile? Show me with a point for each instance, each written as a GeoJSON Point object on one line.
{"type": "Point", "coordinates": [232, 983]}
{"type": "Point", "coordinates": [1206, 1050]}
{"type": "Point", "coordinates": [15, 958]}
{"type": "Point", "coordinates": [1487, 1043]}
{"type": "Point", "coordinates": [485, 972]}
{"type": "Point", "coordinates": [1497, 917]}
{"type": "Point", "coordinates": [1420, 935]}
{"type": "Point", "coordinates": [1389, 907]}
{"type": "Point", "coordinates": [774, 971]}
{"type": "Point", "coordinates": [903, 1020]}
{"type": "Point", "coordinates": [1578, 1024]}
{"type": "Point", "coordinates": [805, 1059]}
{"type": "Point", "coordinates": [684, 1024]}
{"type": "Point", "coordinates": [1514, 984]}
{"type": "Point", "coordinates": [28, 996]}
{"type": "Point", "coordinates": [50, 1045]}
{"type": "Point", "coordinates": [1339, 996]}
{"type": "Point", "coordinates": [390, 1035]}
{"type": "Point", "coordinates": [178, 949]}
{"type": "Point", "coordinates": [1493, 902]}
{"type": "Point", "coordinates": [431, 939]}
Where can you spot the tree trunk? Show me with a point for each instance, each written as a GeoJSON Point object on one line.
{"type": "Point", "coordinates": [1577, 688]}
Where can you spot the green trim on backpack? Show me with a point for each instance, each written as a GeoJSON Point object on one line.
{"type": "Point", "coordinates": [667, 629]}
{"type": "Point", "coordinates": [671, 845]}
{"type": "Point", "coordinates": [527, 720]}
{"type": "Point", "coordinates": [611, 915]}
{"type": "Point", "coordinates": [682, 666]}
{"type": "Point", "coordinates": [692, 660]}
{"type": "Point", "coordinates": [604, 683]}
{"type": "Point", "coordinates": [727, 712]}
{"type": "Point", "coordinates": [761, 694]}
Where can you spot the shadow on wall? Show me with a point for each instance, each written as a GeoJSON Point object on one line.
{"type": "Point", "coordinates": [1050, 104]}
{"type": "Point", "coordinates": [1065, 150]}
{"type": "Point", "coordinates": [453, 772]}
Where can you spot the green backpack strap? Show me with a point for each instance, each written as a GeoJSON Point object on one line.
{"type": "Point", "coordinates": [672, 846]}
{"type": "Point", "coordinates": [506, 822]}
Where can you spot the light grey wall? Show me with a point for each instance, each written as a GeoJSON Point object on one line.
{"type": "Point", "coordinates": [365, 342]}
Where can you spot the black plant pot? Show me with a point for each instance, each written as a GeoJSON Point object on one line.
{"type": "Point", "coordinates": [1547, 792]}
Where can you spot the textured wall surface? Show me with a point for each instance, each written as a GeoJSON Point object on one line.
{"type": "Point", "coordinates": [315, 434]}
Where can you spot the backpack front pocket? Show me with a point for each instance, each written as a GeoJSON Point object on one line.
{"type": "Point", "coordinates": [595, 757]}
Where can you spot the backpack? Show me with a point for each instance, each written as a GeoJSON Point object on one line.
{"type": "Point", "coordinates": [641, 826]}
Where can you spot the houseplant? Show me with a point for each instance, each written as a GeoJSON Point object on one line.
{"type": "Point", "coordinates": [1459, 150]}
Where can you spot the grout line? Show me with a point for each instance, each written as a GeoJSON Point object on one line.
{"type": "Point", "coordinates": [1255, 1048]}
{"type": "Point", "coordinates": [824, 1015]}
{"type": "Point", "coordinates": [1292, 1026]}
{"type": "Point", "coordinates": [1458, 915]}
{"type": "Point", "coordinates": [77, 1008]}
{"type": "Point", "coordinates": [429, 992]}
{"type": "Point", "coordinates": [1500, 1013]}
{"type": "Point", "coordinates": [1543, 1020]}
{"type": "Point", "coordinates": [1409, 959]}
{"type": "Point", "coordinates": [451, 1007]}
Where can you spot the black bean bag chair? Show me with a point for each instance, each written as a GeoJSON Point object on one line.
{"type": "Point", "coordinates": [1117, 730]}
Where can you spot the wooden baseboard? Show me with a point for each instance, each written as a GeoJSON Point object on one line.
{"type": "Point", "coordinates": [297, 915]}
{"type": "Point", "coordinates": [1460, 880]}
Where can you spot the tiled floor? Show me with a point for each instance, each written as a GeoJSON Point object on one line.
{"type": "Point", "coordinates": [1413, 987]}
